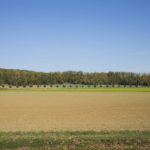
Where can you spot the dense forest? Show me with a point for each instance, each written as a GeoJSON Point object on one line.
{"type": "Point", "coordinates": [24, 78]}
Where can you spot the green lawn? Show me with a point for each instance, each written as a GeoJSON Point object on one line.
{"type": "Point", "coordinates": [87, 140]}
{"type": "Point", "coordinates": [81, 89]}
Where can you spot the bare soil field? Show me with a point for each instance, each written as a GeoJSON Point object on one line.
{"type": "Point", "coordinates": [59, 111]}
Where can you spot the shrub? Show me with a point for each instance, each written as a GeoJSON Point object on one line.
{"type": "Point", "coordinates": [30, 85]}
{"type": "Point", "coordinates": [24, 86]}
{"type": "Point", "coordinates": [70, 86]}
{"type": "Point", "coordinates": [10, 86]}
{"type": "Point", "coordinates": [64, 86]}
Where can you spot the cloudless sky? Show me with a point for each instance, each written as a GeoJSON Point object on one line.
{"type": "Point", "coordinates": [87, 35]}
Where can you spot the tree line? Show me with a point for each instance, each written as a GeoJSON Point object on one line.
{"type": "Point", "coordinates": [24, 78]}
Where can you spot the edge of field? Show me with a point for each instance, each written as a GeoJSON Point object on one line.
{"type": "Point", "coordinates": [83, 89]}
{"type": "Point", "coordinates": [74, 140]}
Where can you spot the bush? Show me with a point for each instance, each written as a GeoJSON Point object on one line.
{"type": "Point", "coordinates": [30, 85]}
{"type": "Point", "coordinates": [24, 86]}
{"type": "Point", "coordinates": [44, 86]}
{"type": "Point", "coordinates": [57, 86]}
{"type": "Point", "coordinates": [51, 85]}
{"type": "Point", "coordinates": [70, 86]}
{"type": "Point", "coordinates": [107, 85]}
{"type": "Point", "coordinates": [64, 86]}
{"type": "Point", "coordinates": [95, 86]}
{"type": "Point", "coordinates": [10, 86]}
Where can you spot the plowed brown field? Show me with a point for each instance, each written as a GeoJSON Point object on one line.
{"type": "Point", "coordinates": [25, 111]}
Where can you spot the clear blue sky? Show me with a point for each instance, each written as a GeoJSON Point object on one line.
{"type": "Point", "coordinates": [87, 35]}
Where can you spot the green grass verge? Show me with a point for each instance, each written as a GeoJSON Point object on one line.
{"type": "Point", "coordinates": [86, 140]}
{"type": "Point", "coordinates": [84, 89]}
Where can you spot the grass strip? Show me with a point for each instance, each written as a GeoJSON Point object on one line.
{"type": "Point", "coordinates": [84, 89]}
{"type": "Point", "coordinates": [76, 140]}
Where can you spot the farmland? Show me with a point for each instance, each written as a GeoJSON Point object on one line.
{"type": "Point", "coordinates": [62, 110]}
{"type": "Point", "coordinates": [75, 118]}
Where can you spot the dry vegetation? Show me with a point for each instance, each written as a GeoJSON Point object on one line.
{"type": "Point", "coordinates": [25, 111]}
